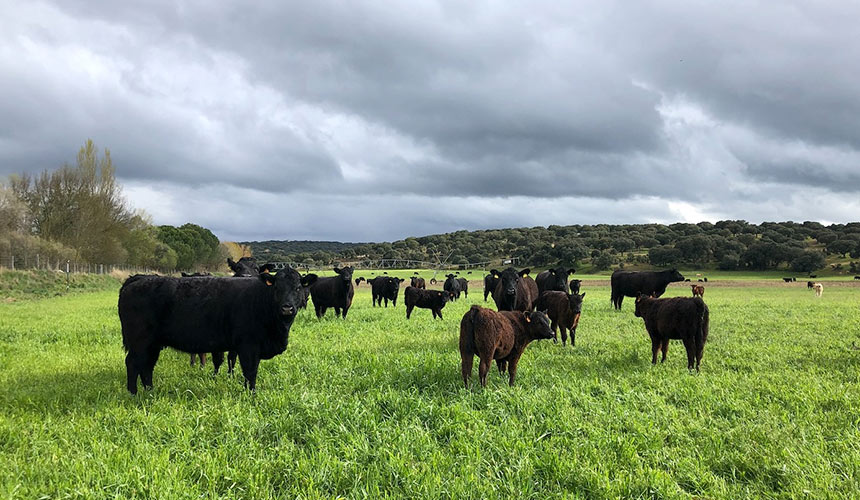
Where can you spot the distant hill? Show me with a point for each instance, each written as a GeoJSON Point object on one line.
{"type": "Point", "coordinates": [283, 249]}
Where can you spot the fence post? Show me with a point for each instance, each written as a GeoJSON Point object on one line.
{"type": "Point", "coordinates": [13, 261]}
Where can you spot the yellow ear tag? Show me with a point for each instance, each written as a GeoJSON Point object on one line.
{"type": "Point", "coordinates": [268, 283]}
{"type": "Point", "coordinates": [528, 320]}
{"type": "Point", "coordinates": [496, 276]}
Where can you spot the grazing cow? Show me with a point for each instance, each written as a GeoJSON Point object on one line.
{"type": "Point", "coordinates": [700, 280]}
{"type": "Point", "coordinates": [418, 282]}
{"type": "Point", "coordinates": [633, 283]}
{"type": "Point", "coordinates": [385, 288]}
{"type": "Point", "coordinates": [433, 281]}
{"type": "Point", "coordinates": [788, 280]}
{"type": "Point", "coordinates": [698, 290]}
{"type": "Point", "coordinates": [490, 281]}
{"type": "Point", "coordinates": [706, 279]}
{"type": "Point", "coordinates": [464, 286]}
{"type": "Point", "coordinates": [575, 286]}
{"type": "Point", "coordinates": [553, 279]}
{"type": "Point", "coordinates": [245, 267]}
{"type": "Point", "coordinates": [359, 280]}
{"type": "Point", "coordinates": [857, 277]}
{"type": "Point", "coordinates": [687, 279]}
{"type": "Point", "coordinates": [819, 289]}
{"type": "Point", "coordinates": [809, 284]}
{"type": "Point", "coordinates": [681, 318]}
{"type": "Point", "coordinates": [336, 291]}
{"type": "Point", "coordinates": [425, 299]}
{"type": "Point", "coordinates": [563, 310]}
{"type": "Point", "coordinates": [813, 276]}
{"type": "Point", "coordinates": [515, 290]}
{"type": "Point", "coordinates": [452, 285]}
{"type": "Point", "coordinates": [251, 316]}
{"type": "Point", "coordinates": [502, 336]}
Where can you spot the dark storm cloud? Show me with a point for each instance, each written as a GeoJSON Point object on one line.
{"type": "Point", "coordinates": [607, 111]}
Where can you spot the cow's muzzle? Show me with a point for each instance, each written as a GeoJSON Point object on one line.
{"type": "Point", "coordinates": [288, 311]}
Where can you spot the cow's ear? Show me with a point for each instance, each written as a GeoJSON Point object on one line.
{"type": "Point", "coordinates": [267, 278]}
{"type": "Point", "coordinates": [571, 271]}
{"type": "Point", "coordinates": [231, 264]}
{"type": "Point", "coordinates": [524, 272]}
{"type": "Point", "coordinates": [583, 295]}
{"type": "Point", "coordinates": [309, 279]}
{"type": "Point", "coordinates": [495, 273]}
{"type": "Point", "coordinates": [337, 270]}
{"type": "Point", "coordinates": [528, 316]}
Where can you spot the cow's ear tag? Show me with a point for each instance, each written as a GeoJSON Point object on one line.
{"type": "Point", "coordinates": [528, 319]}
{"type": "Point", "coordinates": [496, 276]}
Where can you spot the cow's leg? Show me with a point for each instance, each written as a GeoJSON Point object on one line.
{"type": "Point", "coordinates": [319, 311]}
{"type": "Point", "coordinates": [409, 311]}
{"type": "Point", "coordinates": [483, 369]}
{"type": "Point", "coordinates": [466, 367]}
{"type": "Point", "coordinates": [250, 361]}
{"type": "Point", "coordinates": [131, 371]}
{"type": "Point", "coordinates": [512, 369]}
{"type": "Point", "coordinates": [345, 310]}
{"type": "Point", "coordinates": [699, 353]}
{"type": "Point", "coordinates": [573, 337]}
{"type": "Point", "coordinates": [665, 348]}
{"type": "Point", "coordinates": [690, 345]}
{"type": "Point", "coordinates": [337, 312]}
{"type": "Point", "coordinates": [563, 334]}
{"type": "Point", "coordinates": [192, 359]}
{"type": "Point", "coordinates": [439, 313]}
{"type": "Point", "coordinates": [620, 301]}
{"type": "Point", "coordinates": [217, 359]}
{"type": "Point", "coordinates": [655, 346]}
{"type": "Point", "coordinates": [231, 362]}
{"type": "Point", "coordinates": [503, 365]}
{"type": "Point", "coordinates": [151, 358]}
{"type": "Point", "coordinates": [554, 326]}
{"type": "Point", "coordinates": [394, 302]}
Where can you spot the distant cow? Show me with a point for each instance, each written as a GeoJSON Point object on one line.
{"type": "Point", "coordinates": [553, 279]}
{"type": "Point", "coordinates": [857, 277]}
{"type": "Point", "coordinates": [359, 280]}
{"type": "Point", "coordinates": [502, 336]}
{"type": "Point", "coordinates": [788, 280]}
{"type": "Point", "coordinates": [706, 279]}
{"type": "Point", "coordinates": [813, 276]}
{"type": "Point", "coordinates": [251, 316]}
{"type": "Point", "coordinates": [385, 288]}
{"type": "Point", "coordinates": [515, 290]}
{"type": "Point", "coordinates": [810, 284]}
{"type": "Point", "coordinates": [452, 285]}
{"type": "Point", "coordinates": [425, 299]}
{"type": "Point", "coordinates": [417, 282]}
{"type": "Point", "coordinates": [464, 286]}
{"type": "Point", "coordinates": [681, 318]}
{"type": "Point", "coordinates": [819, 289]}
{"type": "Point", "coordinates": [306, 289]}
{"type": "Point", "coordinates": [245, 267]}
{"type": "Point", "coordinates": [633, 283]}
{"type": "Point", "coordinates": [490, 281]}
{"type": "Point", "coordinates": [698, 290]}
{"type": "Point", "coordinates": [575, 286]}
{"type": "Point", "coordinates": [336, 292]}
{"type": "Point", "coordinates": [564, 311]}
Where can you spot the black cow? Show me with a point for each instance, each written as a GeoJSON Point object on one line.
{"type": "Point", "coordinates": [425, 299]}
{"type": "Point", "coordinates": [195, 275]}
{"type": "Point", "coordinates": [464, 286]}
{"type": "Point", "coordinates": [788, 280]}
{"type": "Point", "coordinates": [553, 279]}
{"type": "Point", "coordinates": [490, 281]}
{"type": "Point", "coordinates": [417, 282]}
{"type": "Point", "coordinates": [681, 318]}
{"type": "Point", "coordinates": [633, 283]}
{"type": "Point", "coordinates": [359, 280]}
{"type": "Point", "coordinates": [813, 275]}
{"type": "Point", "coordinates": [245, 267]}
{"type": "Point", "coordinates": [336, 291]}
{"type": "Point", "coordinates": [385, 288]}
{"type": "Point", "coordinates": [810, 284]}
{"type": "Point", "coordinates": [452, 285]}
{"type": "Point", "coordinates": [575, 285]}
{"type": "Point", "coordinates": [857, 277]}
{"type": "Point", "coordinates": [515, 290]}
{"type": "Point", "coordinates": [306, 289]}
{"type": "Point", "coordinates": [563, 310]}
{"type": "Point", "coordinates": [251, 316]}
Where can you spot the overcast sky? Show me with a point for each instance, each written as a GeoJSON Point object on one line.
{"type": "Point", "coordinates": [371, 121]}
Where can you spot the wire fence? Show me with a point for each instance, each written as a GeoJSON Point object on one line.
{"type": "Point", "coordinates": [26, 261]}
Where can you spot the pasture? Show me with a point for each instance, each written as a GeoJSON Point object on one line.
{"type": "Point", "coordinates": [374, 406]}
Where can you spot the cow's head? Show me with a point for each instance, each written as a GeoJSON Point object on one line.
{"type": "Point", "coordinates": [643, 303]}
{"type": "Point", "coordinates": [287, 293]}
{"type": "Point", "coordinates": [345, 273]}
{"type": "Point", "coordinates": [246, 266]}
{"type": "Point", "coordinates": [413, 281]}
{"type": "Point", "coordinates": [574, 302]}
{"type": "Point", "coordinates": [359, 280]}
{"type": "Point", "coordinates": [558, 279]}
{"type": "Point", "coordinates": [537, 325]}
{"type": "Point", "coordinates": [506, 288]}
{"type": "Point", "coordinates": [674, 275]}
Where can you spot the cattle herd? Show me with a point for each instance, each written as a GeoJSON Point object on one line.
{"type": "Point", "coordinates": [249, 315]}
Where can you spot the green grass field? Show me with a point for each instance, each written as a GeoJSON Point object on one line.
{"type": "Point", "coordinates": [374, 406]}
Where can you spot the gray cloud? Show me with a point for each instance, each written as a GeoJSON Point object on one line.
{"type": "Point", "coordinates": [378, 121]}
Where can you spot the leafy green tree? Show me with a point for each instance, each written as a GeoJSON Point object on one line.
{"type": "Point", "coordinates": [808, 261]}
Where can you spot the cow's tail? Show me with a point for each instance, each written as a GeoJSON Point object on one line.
{"type": "Point", "coordinates": [703, 324]}
{"type": "Point", "coordinates": [467, 330]}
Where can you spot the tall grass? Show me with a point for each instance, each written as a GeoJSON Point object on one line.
{"type": "Point", "coordinates": [374, 406]}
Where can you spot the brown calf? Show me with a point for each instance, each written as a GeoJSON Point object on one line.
{"type": "Point", "coordinates": [681, 318]}
{"type": "Point", "coordinates": [563, 311]}
{"type": "Point", "coordinates": [698, 290]}
{"type": "Point", "coordinates": [502, 336]}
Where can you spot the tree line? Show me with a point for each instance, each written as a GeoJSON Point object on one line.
{"type": "Point", "coordinates": [77, 213]}
{"type": "Point", "coordinates": [724, 245]}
